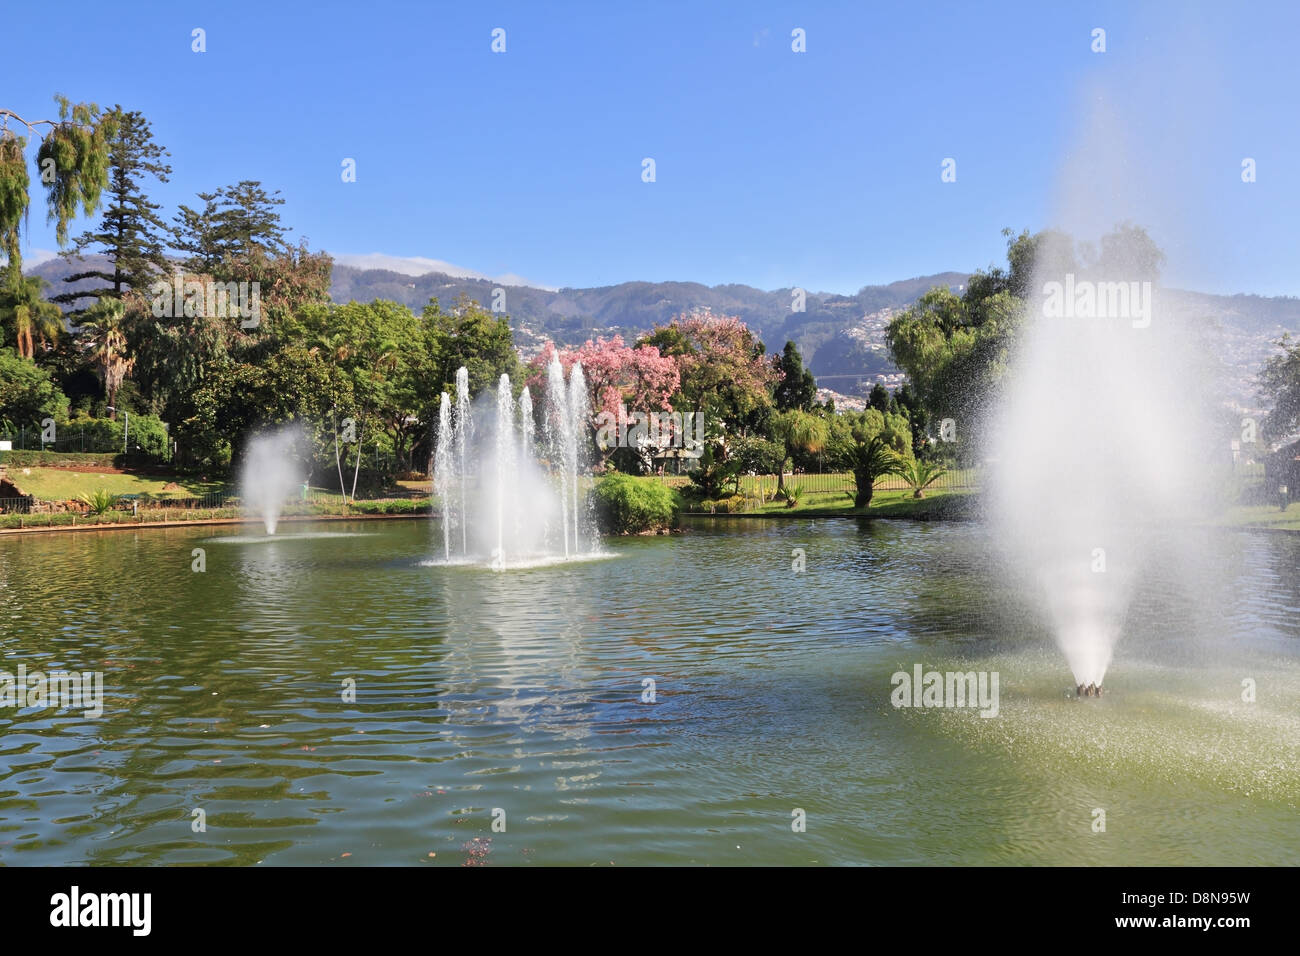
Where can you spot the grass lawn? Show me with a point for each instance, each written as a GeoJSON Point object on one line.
{"type": "Point", "coordinates": [884, 504]}
{"type": "Point", "coordinates": [60, 484]}
{"type": "Point", "coordinates": [415, 487]}
{"type": "Point", "coordinates": [1261, 516]}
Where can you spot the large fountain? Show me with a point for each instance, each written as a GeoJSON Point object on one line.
{"type": "Point", "coordinates": [508, 498]}
{"type": "Point", "coordinates": [1099, 446]}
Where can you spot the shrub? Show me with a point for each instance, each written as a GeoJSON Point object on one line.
{"type": "Point", "coordinates": [725, 505]}
{"type": "Point", "coordinates": [713, 472]}
{"type": "Point", "coordinates": [630, 505]}
{"type": "Point", "coordinates": [731, 504]}
{"type": "Point", "coordinates": [392, 506]}
{"type": "Point", "coordinates": [148, 437]}
{"type": "Point", "coordinates": [98, 502]}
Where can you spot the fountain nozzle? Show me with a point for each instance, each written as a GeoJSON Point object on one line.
{"type": "Point", "coordinates": [1090, 690]}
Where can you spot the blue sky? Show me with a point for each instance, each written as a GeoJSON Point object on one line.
{"type": "Point", "coordinates": [774, 168]}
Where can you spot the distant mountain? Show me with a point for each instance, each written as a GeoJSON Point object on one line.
{"type": "Point", "coordinates": [570, 316]}
{"type": "Point", "coordinates": [841, 337]}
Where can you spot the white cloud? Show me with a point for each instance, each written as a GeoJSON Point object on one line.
{"type": "Point", "coordinates": [418, 266]}
{"type": "Point", "coordinates": [33, 258]}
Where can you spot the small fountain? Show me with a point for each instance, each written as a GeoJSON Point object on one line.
{"type": "Point", "coordinates": [511, 507]}
{"type": "Point", "coordinates": [270, 474]}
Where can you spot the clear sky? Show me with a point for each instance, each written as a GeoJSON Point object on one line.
{"type": "Point", "coordinates": [773, 168]}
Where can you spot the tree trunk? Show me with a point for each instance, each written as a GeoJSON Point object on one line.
{"type": "Point", "coordinates": [356, 471]}
{"type": "Point", "coordinates": [865, 489]}
{"type": "Point", "coordinates": [343, 489]}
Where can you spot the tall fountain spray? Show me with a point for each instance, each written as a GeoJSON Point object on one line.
{"type": "Point", "coordinates": [444, 470]}
{"type": "Point", "coordinates": [560, 443]}
{"type": "Point", "coordinates": [511, 507]}
{"type": "Point", "coordinates": [578, 412]}
{"type": "Point", "coordinates": [1098, 448]}
{"type": "Point", "coordinates": [504, 471]}
{"type": "Point", "coordinates": [270, 473]}
{"type": "Point", "coordinates": [462, 439]}
{"type": "Point", "coordinates": [527, 426]}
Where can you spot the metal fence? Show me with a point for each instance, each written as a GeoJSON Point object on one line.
{"type": "Point", "coordinates": [67, 439]}
{"type": "Point", "coordinates": [833, 482]}
{"type": "Point", "coordinates": [212, 501]}
{"type": "Point", "coordinates": [1245, 476]}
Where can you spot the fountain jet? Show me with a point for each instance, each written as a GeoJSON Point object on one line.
{"type": "Point", "coordinates": [270, 474]}
{"type": "Point", "coordinates": [510, 506]}
{"type": "Point", "coordinates": [1096, 448]}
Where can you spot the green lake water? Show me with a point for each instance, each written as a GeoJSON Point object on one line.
{"type": "Point", "coordinates": [522, 692]}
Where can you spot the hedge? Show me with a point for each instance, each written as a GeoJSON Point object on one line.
{"type": "Point", "coordinates": [629, 505]}
{"type": "Point", "coordinates": [53, 459]}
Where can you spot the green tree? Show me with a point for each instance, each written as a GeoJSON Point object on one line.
{"type": "Point", "coordinates": [879, 399]}
{"type": "Point", "coordinates": [235, 222]}
{"type": "Point", "coordinates": [379, 335]}
{"type": "Point", "coordinates": [870, 445]}
{"type": "Point", "coordinates": [72, 164]}
{"type": "Point", "coordinates": [104, 338]}
{"type": "Point", "coordinates": [724, 374]}
{"type": "Point", "coordinates": [27, 394]}
{"type": "Point", "coordinates": [956, 349]}
{"type": "Point", "coordinates": [287, 280]}
{"type": "Point", "coordinates": [758, 455]}
{"type": "Point", "coordinates": [797, 431]}
{"type": "Point", "coordinates": [130, 233]}
{"type": "Point", "coordinates": [174, 355]}
{"type": "Point", "coordinates": [797, 388]}
{"type": "Point", "coordinates": [26, 316]}
{"type": "Point", "coordinates": [1280, 388]}
{"type": "Point", "coordinates": [14, 197]}
{"type": "Point", "coordinates": [908, 403]}
{"type": "Point", "coordinates": [472, 337]}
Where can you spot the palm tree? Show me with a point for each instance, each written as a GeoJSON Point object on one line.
{"type": "Point", "coordinates": [920, 474]}
{"type": "Point", "coordinates": [870, 459]}
{"type": "Point", "coordinates": [22, 306]}
{"type": "Point", "coordinates": [101, 331]}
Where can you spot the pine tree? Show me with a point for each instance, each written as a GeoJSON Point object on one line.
{"type": "Point", "coordinates": [131, 233]}
{"type": "Point", "coordinates": [879, 398]}
{"type": "Point", "coordinates": [236, 223]}
{"type": "Point", "coordinates": [797, 388]}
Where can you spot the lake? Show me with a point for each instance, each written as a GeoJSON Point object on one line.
{"type": "Point", "coordinates": [332, 694]}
